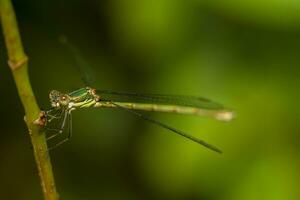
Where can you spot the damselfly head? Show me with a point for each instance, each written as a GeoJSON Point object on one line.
{"type": "Point", "coordinates": [58, 99]}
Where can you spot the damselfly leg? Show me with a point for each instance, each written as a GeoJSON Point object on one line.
{"type": "Point", "coordinates": [59, 131]}
{"type": "Point", "coordinates": [67, 117]}
{"type": "Point", "coordinates": [51, 115]}
{"type": "Point", "coordinates": [66, 121]}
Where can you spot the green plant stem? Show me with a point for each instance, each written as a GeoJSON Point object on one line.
{"type": "Point", "coordinates": [18, 63]}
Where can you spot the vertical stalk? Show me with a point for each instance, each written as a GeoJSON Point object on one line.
{"type": "Point", "coordinates": [18, 64]}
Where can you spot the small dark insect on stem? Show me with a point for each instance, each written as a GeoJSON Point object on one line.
{"type": "Point", "coordinates": [41, 120]}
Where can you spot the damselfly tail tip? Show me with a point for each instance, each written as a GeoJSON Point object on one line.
{"type": "Point", "coordinates": [225, 116]}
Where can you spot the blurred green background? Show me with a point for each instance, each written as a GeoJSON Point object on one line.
{"type": "Point", "coordinates": [243, 54]}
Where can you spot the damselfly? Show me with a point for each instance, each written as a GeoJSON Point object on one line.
{"type": "Point", "coordinates": [63, 104]}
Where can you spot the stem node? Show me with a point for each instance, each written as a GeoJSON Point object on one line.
{"type": "Point", "coordinates": [14, 64]}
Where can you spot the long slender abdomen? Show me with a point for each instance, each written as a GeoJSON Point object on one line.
{"type": "Point", "coordinates": [222, 115]}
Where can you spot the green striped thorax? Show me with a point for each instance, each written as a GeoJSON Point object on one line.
{"type": "Point", "coordinates": [59, 99]}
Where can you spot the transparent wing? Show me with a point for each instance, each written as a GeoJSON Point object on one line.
{"type": "Point", "coordinates": [181, 100]}
{"type": "Point", "coordinates": [81, 64]}
{"type": "Point", "coordinates": [174, 130]}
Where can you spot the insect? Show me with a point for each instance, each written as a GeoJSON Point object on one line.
{"type": "Point", "coordinates": [63, 104]}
